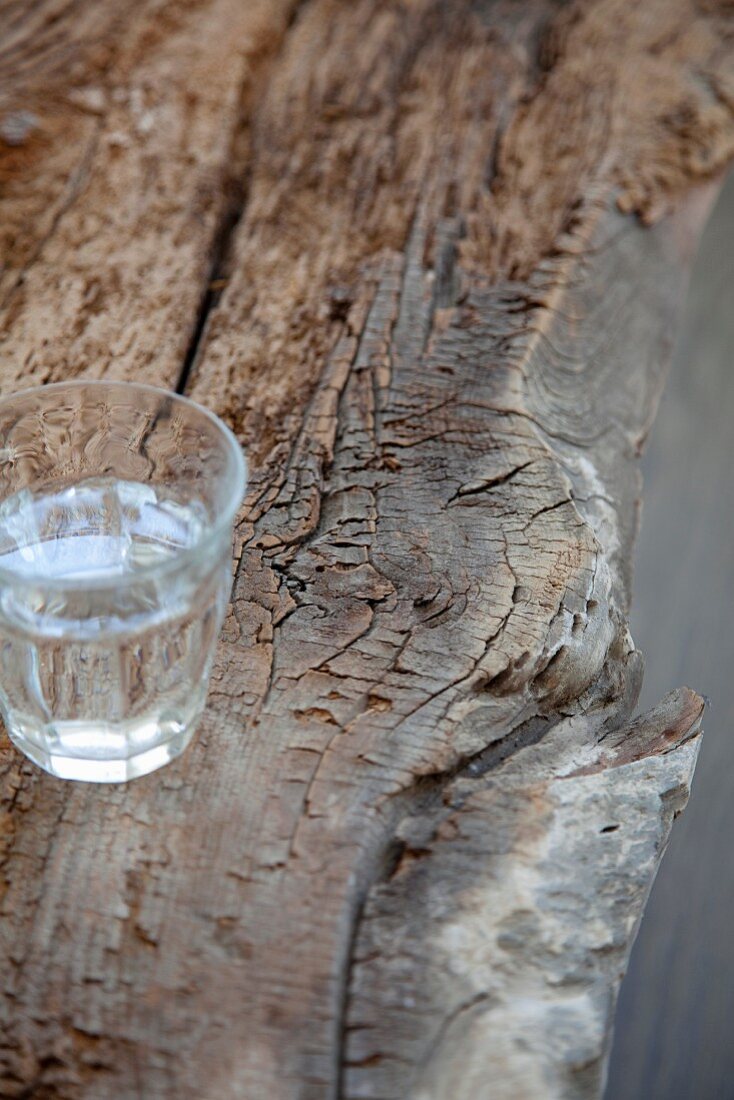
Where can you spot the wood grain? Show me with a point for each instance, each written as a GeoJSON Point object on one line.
{"type": "Point", "coordinates": [441, 333]}
{"type": "Point", "coordinates": [111, 207]}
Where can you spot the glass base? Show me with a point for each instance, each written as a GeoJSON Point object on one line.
{"type": "Point", "coordinates": [96, 753]}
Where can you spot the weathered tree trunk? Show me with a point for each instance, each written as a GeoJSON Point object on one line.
{"type": "Point", "coordinates": [426, 259]}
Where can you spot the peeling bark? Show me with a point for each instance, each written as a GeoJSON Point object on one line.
{"type": "Point", "coordinates": [396, 247]}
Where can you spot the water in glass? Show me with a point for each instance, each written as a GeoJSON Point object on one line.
{"type": "Point", "coordinates": [116, 508]}
{"type": "Point", "coordinates": [104, 680]}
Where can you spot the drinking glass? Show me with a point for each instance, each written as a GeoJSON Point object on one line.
{"type": "Point", "coordinates": [116, 508]}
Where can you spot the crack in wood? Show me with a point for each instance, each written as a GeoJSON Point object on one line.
{"type": "Point", "coordinates": [233, 211]}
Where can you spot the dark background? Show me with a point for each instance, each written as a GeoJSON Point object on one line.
{"type": "Point", "coordinates": [674, 1037]}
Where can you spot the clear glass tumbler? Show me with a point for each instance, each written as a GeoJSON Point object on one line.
{"type": "Point", "coordinates": [116, 511]}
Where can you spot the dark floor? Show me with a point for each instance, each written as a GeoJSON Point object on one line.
{"type": "Point", "coordinates": [675, 1022]}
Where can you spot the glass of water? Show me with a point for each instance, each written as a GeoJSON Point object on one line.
{"type": "Point", "coordinates": [116, 510]}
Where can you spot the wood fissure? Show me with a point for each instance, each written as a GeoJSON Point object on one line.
{"type": "Point", "coordinates": [216, 279]}
{"type": "Point", "coordinates": [235, 190]}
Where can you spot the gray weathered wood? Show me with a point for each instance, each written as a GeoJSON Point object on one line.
{"type": "Point", "coordinates": [399, 247]}
{"type": "Point", "coordinates": [487, 964]}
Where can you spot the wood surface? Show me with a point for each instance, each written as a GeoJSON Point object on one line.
{"type": "Point", "coordinates": [425, 258]}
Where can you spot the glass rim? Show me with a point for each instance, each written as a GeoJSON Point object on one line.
{"type": "Point", "coordinates": [182, 556]}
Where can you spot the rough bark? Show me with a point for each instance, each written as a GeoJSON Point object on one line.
{"type": "Point", "coordinates": [399, 247]}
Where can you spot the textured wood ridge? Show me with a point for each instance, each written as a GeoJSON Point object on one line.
{"type": "Point", "coordinates": [398, 246]}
